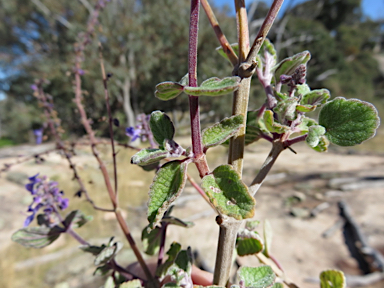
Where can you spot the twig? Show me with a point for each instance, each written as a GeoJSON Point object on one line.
{"type": "Point", "coordinates": [227, 48]}
{"type": "Point", "coordinates": [277, 148]}
{"type": "Point", "coordinates": [246, 68]}
{"type": "Point", "coordinates": [79, 48]}
{"type": "Point", "coordinates": [110, 120]}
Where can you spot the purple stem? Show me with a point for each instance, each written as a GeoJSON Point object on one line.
{"type": "Point", "coordinates": [162, 243]}
{"type": "Point", "coordinates": [298, 139]}
{"type": "Point", "coordinates": [197, 146]}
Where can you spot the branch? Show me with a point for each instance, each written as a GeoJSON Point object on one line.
{"type": "Point", "coordinates": [277, 148]}
{"type": "Point", "coordinates": [246, 69]}
{"type": "Point", "coordinates": [227, 48]}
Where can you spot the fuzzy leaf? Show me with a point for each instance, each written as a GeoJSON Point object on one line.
{"type": "Point", "coordinates": [305, 108]}
{"type": "Point", "coordinates": [167, 185]}
{"type": "Point", "coordinates": [151, 240]}
{"type": "Point", "coordinates": [260, 58]}
{"type": "Point", "coordinates": [323, 144]}
{"type": "Point", "coordinates": [273, 126]}
{"type": "Point", "coordinates": [108, 253]}
{"type": "Point", "coordinates": [185, 80]}
{"type": "Point", "coordinates": [289, 65]}
{"type": "Point", "coordinates": [148, 156]}
{"type": "Point", "coordinates": [302, 89]}
{"type": "Point", "coordinates": [267, 237]}
{"type": "Point", "coordinates": [257, 277]}
{"type": "Point", "coordinates": [220, 132]}
{"type": "Point", "coordinates": [37, 237]}
{"type": "Point", "coordinates": [286, 109]}
{"type": "Point", "coordinates": [315, 97]}
{"type": "Point", "coordinates": [94, 250]}
{"type": "Point", "coordinates": [168, 90]}
{"type": "Point", "coordinates": [332, 279]}
{"type": "Point", "coordinates": [314, 134]}
{"type": "Point", "coordinates": [214, 87]}
{"type": "Point", "coordinates": [76, 219]}
{"type": "Point", "coordinates": [161, 127]}
{"type": "Point", "coordinates": [178, 222]}
{"type": "Point", "coordinates": [305, 124]}
{"type": "Point", "coordinates": [248, 243]}
{"type": "Point", "coordinates": [235, 47]}
{"type": "Point", "coordinates": [172, 254]}
{"type": "Point", "coordinates": [228, 193]}
{"type": "Point", "coordinates": [349, 122]}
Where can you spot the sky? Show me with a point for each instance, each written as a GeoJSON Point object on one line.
{"type": "Point", "coordinates": [372, 8]}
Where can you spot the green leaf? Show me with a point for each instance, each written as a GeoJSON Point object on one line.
{"type": "Point", "coordinates": [235, 47]}
{"type": "Point", "coordinates": [109, 283]}
{"type": "Point", "coordinates": [260, 58]}
{"type": "Point", "coordinates": [94, 250]}
{"type": "Point", "coordinates": [314, 134]}
{"type": "Point", "coordinates": [178, 222]}
{"type": "Point", "coordinates": [215, 87]}
{"type": "Point", "coordinates": [185, 80]}
{"type": "Point", "coordinates": [76, 219]}
{"type": "Point", "coordinates": [315, 97]}
{"type": "Point", "coordinates": [267, 237]}
{"type": "Point", "coordinates": [332, 279]}
{"type": "Point", "coordinates": [289, 65]}
{"type": "Point", "coordinates": [286, 109]}
{"type": "Point", "coordinates": [251, 225]}
{"type": "Point", "coordinates": [273, 126]}
{"type": "Point", "coordinates": [248, 243]}
{"type": "Point", "coordinates": [167, 185]}
{"type": "Point", "coordinates": [349, 122]}
{"type": "Point", "coordinates": [108, 253]}
{"type": "Point", "coordinates": [136, 283]}
{"type": "Point", "coordinates": [254, 127]}
{"type": "Point", "coordinates": [220, 132]}
{"type": "Point", "coordinates": [102, 270]}
{"type": "Point", "coordinates": [149, 156]}
{"type": "Point", "coordinates": [305, 108]}
{"type": "Point", "coordinates": [168, 90]}
{"type": "Point", "coordinates": [161, 126]}
{"type": "Point", "coordinates": [172, 254]}
{"type": "Point", "coordinates": [302, 89]}
{"type": "Point", "coordinates": [323, 145]}
{"type": "Point", "coordinates": [151, 240]}
{"type": "Point", "coordinates": [278, 285]}
{"type": "Point", "coordinates": [257, 277]}
{"type": "Point", "coordinates": [306, 122]}
{"type": "Point", "coordinates": [37, 237]}
{"type": "Point", "coordinates": [228, 193]}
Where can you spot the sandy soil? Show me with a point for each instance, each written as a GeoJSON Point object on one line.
{"type": "Point", "coordinates": [297, 244]}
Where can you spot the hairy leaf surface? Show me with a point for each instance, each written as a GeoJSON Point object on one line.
{"type": "Point", "coordinates": [349, 122]}
{"type": "Point", "coordinates": [228, 193]}
{"type": "Point", "coordinates": [167, 185]}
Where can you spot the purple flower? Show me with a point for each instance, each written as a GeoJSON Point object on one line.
{"type": "Point", "coordinates": [133, 133]}
{"type": "Point", "coordinates": [34, 87]}
{"type": "Point", "coordinates": [38, 135]}
{"type": "Point", "coordinates": [46, 196]}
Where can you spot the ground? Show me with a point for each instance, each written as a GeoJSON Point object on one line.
{"type": "Point", "coordinates": [297, 184]}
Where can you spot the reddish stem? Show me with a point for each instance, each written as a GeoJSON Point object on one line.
{"type": "Point", "coordinates": [197, 146]}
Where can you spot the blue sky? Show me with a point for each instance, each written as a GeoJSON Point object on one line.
{"type": "Point", "coordinates": [372, 8]}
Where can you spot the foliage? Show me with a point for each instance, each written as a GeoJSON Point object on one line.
{"type": "Point", "coordinates": [281, 119]}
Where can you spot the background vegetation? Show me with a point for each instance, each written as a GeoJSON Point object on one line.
{"type": "Point", "coordinates": [141, 41]}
